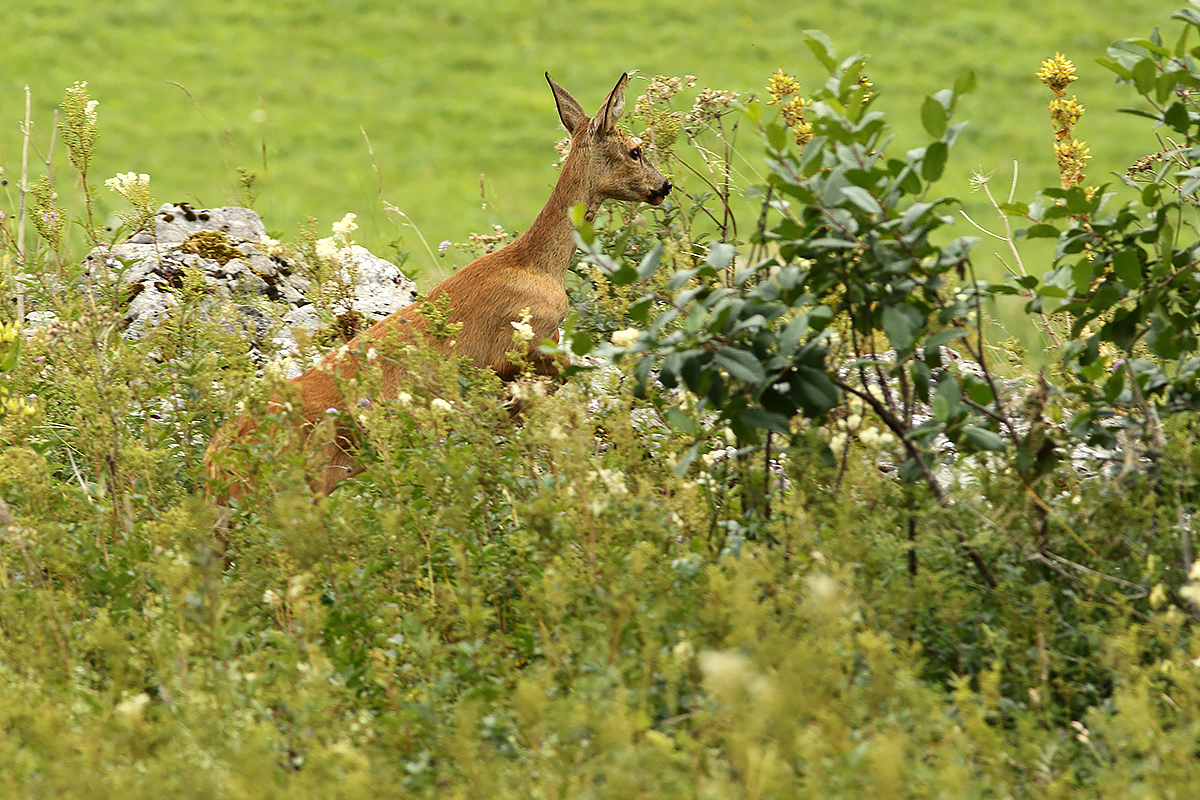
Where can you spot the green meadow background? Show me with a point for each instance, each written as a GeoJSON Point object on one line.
{"type": "Point", "coordinates": [449, 93]}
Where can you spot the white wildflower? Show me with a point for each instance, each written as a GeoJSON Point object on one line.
{"type": "Point", "coordinates": [327, 250]}
{"type": "Point", "coordinates": [131, 707]}
{"type": "Point", "coordinates": [725, 671]}
{"type": "Point", "coordinates": [438, 404]}
{"type": "Point", "coordinates": [626, 338]}
{"type": "Point", "coordinates": [523, 331]}
{"type": "Point", "coordinates": [612, 480]}
{"type": "Point", "coordinates": [343, 229]}
{"type": "Point", "coordinates": [297, 585]}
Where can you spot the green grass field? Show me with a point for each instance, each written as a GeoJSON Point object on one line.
{"type": "Point", "coordinates": [450, 92]}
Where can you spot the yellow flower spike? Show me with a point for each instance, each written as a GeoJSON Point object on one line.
{"type": "Point", "coordinates": [1057, 73]}
{"type": "Point", "coordinates": [781, 85]}
{"type": "Point", "coordinates": [793, 111]}
{"type": "Point", "coordinates": [803, 132]}
{"type": "Point", "coordinates": [1064, 114]}
{"type": "Point", "coordinates": [1072, 158]}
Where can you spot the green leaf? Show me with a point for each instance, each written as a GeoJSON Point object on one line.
{"type": "Point", "coordinates": [792, 334]}
{"type": "Point", "coordinates": [1191, 17]}
{"type": "Point", "coordinates": [1116, 66]}
{"type": "Point", "coordinates": [1128, 267]}
{"type": "Point", "coordinates": [1114, 385]}
{"type": "Point", "coordinates": [1041, 231]}
{"type": "Point", "coordinates": [965, 83]}
{"type": "Point", "coordinates": [778, 136]}
{"type": "Point", "coordinates": [821, 47]}
{"type": "Point", "coordinates": [933, 117]}
{"type": "Point", "coordinates": [681, 422]}
{"type": "Point", "coordinates": [1105, 297]}
{"type": "Point", "coordinates": [1143, 74]}
{"type": "Point", "coordinates": [753, 110]}
{"type": "Point", "coordinates": [739, 364]}
{"type": "Point", "coordinates": [685, 460]}
{"type": "Point", "coordinates": [934, 163]}
{"type": "Point", "coordinates": [582, 343]}
{"type": "Point", "coordinates": [949, 335]}
{"type": "Point", "coordinates": [650, 261]}
{"type": "Point", "coordinates": [1176, 117]}
{"type": "Point", "coordinates": [623, 275]}
{"type": "Point", "coordinates": [11, 357]}
{"type": "Point", "coordinates": [863, 199]}
{"type": "Point", "coordinates": [720, 255]}
{"type": "Point", "coordinates": [901, 324]}
{"type": "Point", "coordinates": [1082, 276]}
{"type": "Point", "coordinates": [940, 407]}
{"type": "Point", "coordinates": [1049, 290]}
{"type": "Point", "coordinates": [762, 419]}
{"type": "Point", "coordinates": [813, 391]}
{"type": "Point", "coordinates": [980, 392]}
{"type": "Point", "coordinates": [1016, 209]}
{"type": "Point", "coordinates": [982, 438]}
{"type": "Point", "coordinates": [679, 279]}
{"type": "Point", "coordinates": [639, 311]}
{"type": "Point", "coordinates": [579, 220]}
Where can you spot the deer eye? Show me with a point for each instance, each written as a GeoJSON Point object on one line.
{"type": "Point", "coordinates": [635, 153]}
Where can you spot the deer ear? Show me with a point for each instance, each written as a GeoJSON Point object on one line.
{"type": "Point", "coordinates": [569, 111]}
{"type": "Point", "coordinates": [613, 108]}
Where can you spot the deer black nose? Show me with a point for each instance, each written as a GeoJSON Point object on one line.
{"type": "Point", "coordinates": [665, 189]}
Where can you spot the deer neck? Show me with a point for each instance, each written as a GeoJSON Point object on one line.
{"type": "Point", "coordinates": [549, 243]}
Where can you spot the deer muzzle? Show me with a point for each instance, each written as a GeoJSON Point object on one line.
{"type": "Point", "coordinates": [657, 197]}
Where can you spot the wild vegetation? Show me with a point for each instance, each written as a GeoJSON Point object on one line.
{"type": "Point", "coordinates": [802, 520]}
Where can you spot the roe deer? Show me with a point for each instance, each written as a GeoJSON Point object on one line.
{"type": "Point", "coordinates": [485, 297]}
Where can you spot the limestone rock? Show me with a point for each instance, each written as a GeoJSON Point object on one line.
{"type": "Point", "coordinates": [229, 251]}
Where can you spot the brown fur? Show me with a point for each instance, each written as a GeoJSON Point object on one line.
{"type": "Point", "coordinates": [485, 297]}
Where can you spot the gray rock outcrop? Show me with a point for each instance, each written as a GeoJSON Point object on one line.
{"type": "Point", "coordinates": [226, 253]}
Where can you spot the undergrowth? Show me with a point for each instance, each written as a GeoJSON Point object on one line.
{"type": "Point", "coordinates": [772, 538]}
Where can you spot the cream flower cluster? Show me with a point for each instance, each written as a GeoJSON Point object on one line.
{"type": "Point", "coordinates": [332, 247]}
